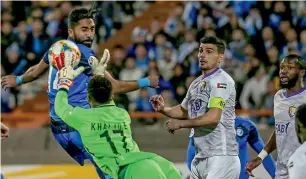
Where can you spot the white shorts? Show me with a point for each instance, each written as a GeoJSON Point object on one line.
{"type": "Point", "coordinates": [216, 167]}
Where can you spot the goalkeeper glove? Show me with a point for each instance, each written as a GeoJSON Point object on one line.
{"type": "Point", "coordinates": [66, 72]}
{"type": "Point", "coordinates": [99, 67]}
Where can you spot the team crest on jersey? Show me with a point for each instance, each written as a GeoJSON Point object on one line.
{"type": "Point", "coordinates": [239, 132]}
{"type": "Point", "coordinates": [292, 111]}
{"type": "Point", "coordinates": [91, 59]}
{"type": "Point", "coordinates": [203, 85]}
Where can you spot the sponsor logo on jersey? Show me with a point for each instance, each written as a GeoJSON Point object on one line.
{"type": "Point", "coordinates": [196, 105]}
{"type": "Point", "coordinates": [281, 128]}
{"type": "Point", "coordinates": [292, 110]}
{"type": "Point", "coordinates": [221, 85]}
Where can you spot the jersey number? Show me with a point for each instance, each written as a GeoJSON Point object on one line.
{"type": "Point", "coordinates": [111, 143]}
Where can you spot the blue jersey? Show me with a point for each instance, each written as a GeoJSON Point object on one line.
{"type": "Point", "coordinates": [246, 132]}
{"type": "Point", "coordinates": [78, 92]}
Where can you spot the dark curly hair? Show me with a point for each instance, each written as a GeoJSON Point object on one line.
{"type": "Point", "coordinates": [301, 114]}
{"type": "Point", "coordinates": [78, 14]}
{"type": "Point", "coordinates": [216, 41]}
{"type": "Point", "coordinates": [298, 59]}
{"type": "Point", "coordinates": [100, 89]}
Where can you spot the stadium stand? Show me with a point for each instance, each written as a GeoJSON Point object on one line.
{"type": "Point", "coordinates": [163, 41]}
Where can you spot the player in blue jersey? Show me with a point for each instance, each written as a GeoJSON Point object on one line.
{"type": "Point", "coordinates": [246, 132]}
{"type": "Point", "coordinates": [81, 30]}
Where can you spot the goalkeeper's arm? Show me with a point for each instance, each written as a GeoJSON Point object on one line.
{"type": "Point", "coordinates": [64, 110]}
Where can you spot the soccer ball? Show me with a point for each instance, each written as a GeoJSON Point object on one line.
{"type": "Point", "coordinates": [57, 50]}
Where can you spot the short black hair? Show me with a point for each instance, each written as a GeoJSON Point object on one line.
{"type": "Point", "coordinates": [301, 114]}
{"type": "Point", "coordinates": [216, 41]}
{"type": "Point", "coordinates": [78, 14]}
{"type": "Point", "coordinates": [100, 89]}
{"type": "Point", "coordinates": [298, 60]}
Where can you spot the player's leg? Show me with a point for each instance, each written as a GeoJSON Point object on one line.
{"type": "Point", "coordinates": [63, 135]}
{"type": "Point", "coordinates": [167, 167]}
{"type": "Point", "coordinates": [146, 168]}
{"type": "Point", "coordinates": [1, 176]}
{"type": "Point", "coordinates": [190, 152]}
{"type": "Point", "coordinates": [198, 168]}
{"type": "Point", "coordinates": [76, 140]}
{"type": "Point", "coordinates": [71, 142]}
{"type": "Point", "coordinates": [281, 171]}
{"type": "Point", "coordinates": [99, 171]}
{"type": "Point", "coordinates": [223, 167]}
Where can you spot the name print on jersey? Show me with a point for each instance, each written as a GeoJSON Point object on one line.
{"type": "Point", "coordinates": [103, 126]}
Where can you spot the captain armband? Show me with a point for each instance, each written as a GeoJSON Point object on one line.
{"type": "Point", "coordinates": [217, 103]}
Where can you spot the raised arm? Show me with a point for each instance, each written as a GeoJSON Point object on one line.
{"type": "Point", "coordinates": [31, 74]}
{"type": "Point", "coordinates": [62, 108]}
{"type": "Point", "coordinates": [128, 86]}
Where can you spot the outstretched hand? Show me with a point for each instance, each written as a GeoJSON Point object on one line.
{"type": "Point", "coordinates": [99, 66]}
{"type": "Point", "coordinates": [157, 102]}
{"type": "Point", "coordinates": [66, 71]}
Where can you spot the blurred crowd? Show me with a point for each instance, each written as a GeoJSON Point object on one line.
{"type": "Point", "coordinates": [257, 34]}
{"type": "Point", "coordinates": [28, 28]}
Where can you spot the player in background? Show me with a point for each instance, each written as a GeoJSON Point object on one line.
{"type": "Point", "coordinates": [286, 102]}
{"type": "Point", "coordinates": [297, 161]}
{"type": "Point", "coordinates": [81, 30]}
{"type": "Point", "coordinates": [4, 134]}
{"type": "Point", "coordinates": [209, 108]}
{"type": "Point", "coordinates": [4, 131]}
{"type": "Point", "coordinates": [246, 132]}
{"type": "Point", "coordinates": [106, 133]}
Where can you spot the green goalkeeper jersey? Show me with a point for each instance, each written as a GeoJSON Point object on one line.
{"type": "Point", "coordinates": [105, 132]}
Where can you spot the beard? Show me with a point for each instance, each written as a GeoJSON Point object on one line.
{"type": "Point", "coordinates": [86, 42]}
{"type": "Point", "coordinates": [290, 84]}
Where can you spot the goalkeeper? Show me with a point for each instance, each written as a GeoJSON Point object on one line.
{"type": "Point", "coordinates": [105, 131]}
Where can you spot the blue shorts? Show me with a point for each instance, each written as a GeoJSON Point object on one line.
{"type": "Point", "coordinates": [71, 141]}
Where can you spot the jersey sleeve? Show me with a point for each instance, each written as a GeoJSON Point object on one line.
{"type": "Point", "coordinates": [253, 136]}
{"type": "Point", "coordinates": [220, 92]}
{"type": "Point", "coordinates": [184, 103]}
{"type": "Point", "coordinates": [69, 114]}
{"type": "Point", "coordinates": [45, 58]}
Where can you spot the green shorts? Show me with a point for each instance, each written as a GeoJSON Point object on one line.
{"type": "Point", "coordinates": [151, 168]}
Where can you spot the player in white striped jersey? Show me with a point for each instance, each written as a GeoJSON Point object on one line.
{"type": "Point", "coordinates": [209, 108]}
{"type": "Point", "coordinates": [286, 102]}
{"type": "Point", "coordinates": [297, 161]}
